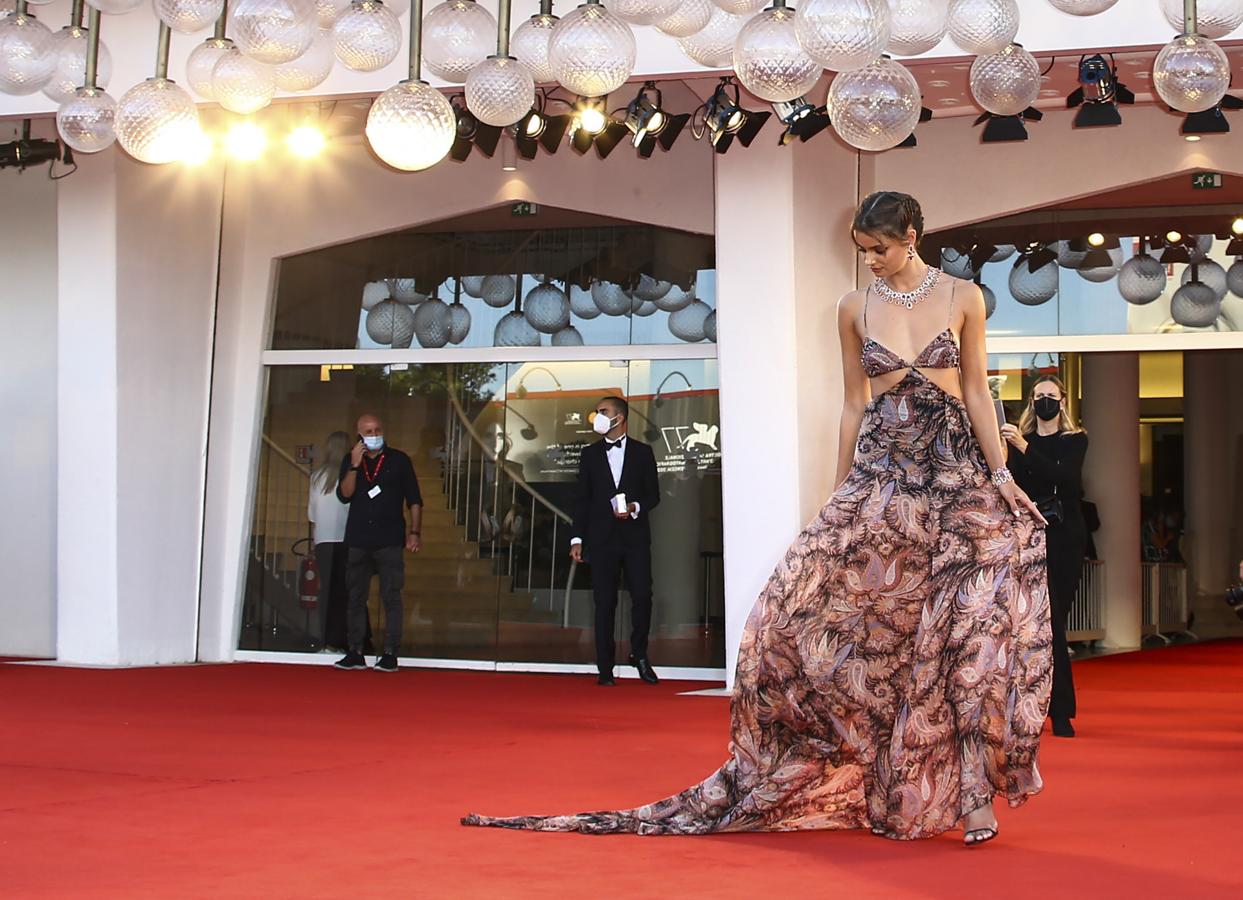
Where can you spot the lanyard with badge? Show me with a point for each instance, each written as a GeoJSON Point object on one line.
{"type": "Point", "coordinates": [372, 476]}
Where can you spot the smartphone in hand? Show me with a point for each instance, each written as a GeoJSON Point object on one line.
{"type": "Point", "coordinates": [1001, 412]}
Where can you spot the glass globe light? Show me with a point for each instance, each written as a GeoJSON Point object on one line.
{"type": "Point", "coordinates": [843, 35]}
{"type": "Point", "coordinates": [411, 126]}
{"type": "Point", "coordinates": [1195, 305]}
{"type": "Point", "coordinates": [433, 323]}
{"type": "Point", "coordinates": [690, 16]}
{"type": "Point", "coordinates": [473, 285]}
{"type": "Point", "coordinates": [273, 31]}
{"type": "Point", "coordinates": [1033, 288]}
{"type": "Point", "coordinates": [515, 331]}
{"type": "Point", "coordinates": [374, 293]}
{"type": "Point", "coordinates": [457, 36]}
{"type": "Point", "coordinates": [27, 54]}
{"type": "Point", "coordinates": [955, 262]}
{"type": "Point", "coordinates": [391, 323]}
{"type": "Point", "coordinates": [610, 298]}
{"type": "Point", "coordinates": [1203, 244]}
{"type": "Point", "coordinates": [769, 60]}
{"type": "Point", "coordinates": [643, 308]}
{"type": "Point", "coordinates": [70, 45]}
{"type": "Point", "coordinates": [675, 298]}
{"type": "Point", "coordinates": [311, 68]}
{"type": "Point", "coordinates": [990, 301]}
{"type": "Point", "coordinates": [530, 45]}
{"type": "Point", "coordinates": [459, 323]}
{"type": "Point", "coordinates": [983, 26]}
{"type": "Point", "coordinates": [1002, 253]}
{"type": "Point", "coordinates": [592, 51]}
{"type": "Point", "coordinates": [687, 324]}
{"type": "Point", "coordinates": [188, 16]}
{"type": "Point", "coordinates": [405, 290]}
{"type": "Point", "coordinates": [202, 62]}
{"type": "Point", "coordinates": [326, 11]}
{"type": "Point", "coordinates": [741, 7]}
{"type": "Point", "coordinates": [497, 290]}
{"type": "Point", "coordinates": [876, 107]}
{"type": "Point", "coordinates": [1191, 73]}
{"type": "Point", "coordinates": [1093, 7]}
{"type": "Point", "coordinates": [117, 7]}
{"type": "Point", "coordinates": [1101, 274]}
{"type": "Point", "coordinates": [582, 304]}
{"type": "Point", "coordinates": [916, 26]}
{"type": "Point", "coordinates": [86, 121]}
{"type": "Point", "coordinates": [156, 121]}
{"type": "Point", "coordinates": [650, 288]}
{"type": "Point", "coordinates": [1214, 18]}
{"type": "Point", "coordinates": [500, 91]}
{"type": "Point", "coordinates": [1210, 273]}
{"type": "Point", "coordinates": [1234, 277]}
{"type": "Point", "coordinates": [648, 12]}
{"type": "Point", "coordinates": [547, 308]}
{"type": "Point", "coordinates": [1068, 258]}
{"type": "Point", "coordinates": [367, 36]}
{"type": "Point", "coordinates": [567, 337]}
{"type": "Point", "coordinates": [1141, 279]}
{"type": "Point", "coordinates": [241, 84]}
{"type": "Point", "coordinates": [1007, 82]}
{"type": "Point", "coordinates": [713, 45]}
{"type": "Point", "coordinates": [710, 327]}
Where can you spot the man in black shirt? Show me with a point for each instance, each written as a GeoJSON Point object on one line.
{"type": "Point", "coordinates": [376, 481]}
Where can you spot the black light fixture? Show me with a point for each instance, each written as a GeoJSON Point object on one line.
{"type": "Point", "coordinates": [1098, 94]}
{"type": "Point", "coordinates": [1098, 246]}
{"type": "Point", "coordinates": [725, 119]}
{"type": "Point", "coordinates": [802, 120]}
{"type": "Point", "coordinates": [1174, 247]}
{"type": "Point", "coordinates": [593, 126]}
{"type": "Point", "coordinates": [539, 129]}
{"type": "Point", "coordinates": [471, 132]}
{"type": "Point", "coordinates": [1210, 121]}
{"type": "Point", "coordinates": [1235, 236]}
{"type": "Point", "coordinates": [1001, 129]}
{"type": "Point", "coordinates": [1036, 255]}
{"type": "Point", "coordinates": [26, 151]}
{"type": "Point", "coordinates": [648, 122]}
{"type": "Point", "coordinates": [925, 115]}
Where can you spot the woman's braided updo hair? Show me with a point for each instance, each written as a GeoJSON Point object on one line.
{"type": "Point", "coordinates": [891, 214]}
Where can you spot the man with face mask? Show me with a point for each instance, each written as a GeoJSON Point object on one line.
{"type": "Point", "coordinates": [377, 481]}
{"type": "Point", "coordinates": [617, 491]}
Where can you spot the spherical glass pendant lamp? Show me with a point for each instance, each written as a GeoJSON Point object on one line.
{"type": "Point", "coordinates": [27, 53]}
{"type": "Point", "coordinates": [592, 51]}
{"type": "Point", "coordinates": [457, 35]}
{"type": "Point", "coordinates": [689, 17]}
{"type": "Point", "coordinates": [530, 45]}
{"type": "Point", "coordinates": [649, 12]}
{"type": "Point", "coordinates": [983, 26]}
{"type": "Point", "coordinates": [501, 89]}
{"type": "Point", "coordinates": [411, 126]}
{"type": "Point", "coordinates": [1191, 73]}
{"type": "Point", "coordinates": [843, 35]}
{"type": "Point", "coordinates": [582, 304]}
{"type": "Point", "coordinates": [1007, 82]}
{"type": "Point", "coordinates": [1033, 288]}
{"type": "Point", "coordinates": [273, 31]}
{"type": "Point", "coordinates": [876, 107]}
{"type": "Point", "coordinates": [687, 324]}
{"type": "Point", "coordinates": [117, 7]}
{"type": "Point", "coordinates": [610, 298]}
{"type": "Point", "coordinates": [71, 45]}
{"type": "Point", "coordinates": [1141, 279]}
{"type": "Point", "coordinates": [241, 84]}
{"type": "Point", "coordinates": [156, 120]}
{"type": "Point", "coordinates": [713, 45]}
{"type": "Point", "coordinates": [433, 323]}
{"type": "Point", "coordinates": [1195, 305]}
{"type": "Point", "coordinates": [311, 68]}
{"type": "Point", "coordinates": [188, 16]}
{"type": "Point", "coordinates": [1214, 18]}
{"type": "Point", "coordinates": [1211, 273]}
{"type": "Point", "coordinates": [916, 26]}
{"type": "Point", "coordinates": [769, 60]}
{"type": "Point", "coordinates": [86, 120]}
{"type": "Point", "coordinates": [1091, 7]}
{"type": "Point", "coordinates": [367, 36]}
{"type": "Point", "coordinates": [547, 308]}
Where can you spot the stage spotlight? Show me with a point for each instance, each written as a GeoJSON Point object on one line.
{"type": "Point", "coordinates": [1236, 227]}
{"type": "Point", "coordinates": [306, 141]}
{"type": "Point", "coordinates": [1210, 121]}
{"type": "Point", "coordinates": [1175, 249]}
{"type": "Point", "coordinates": [246, 141]}
{"type": "Point", "coordinates": [471, 132]}
{"type": "Point", "coordinates": [1098, 246]}
{"type": "Point", "coordinates": [725, 119]}
{"type": "Point", "coordinates": [1173, 237]}
{"type": "Point", "coordinates": [537, 129]}
{"type": "Point", "coordinates": [1096, 239]}
{"type": "Point", "coordinates": [593, 126]}
{"type": "Point", "coordinates": [26, 151]}
{"type": "Point", "coordinates": [1098, 94]}
{"type": "Point", "coordinates": [1001, 129]}
{"type": "Point", "coordinates": [801, 119]}
{"type": "Point", "coordinates": [648, 122]}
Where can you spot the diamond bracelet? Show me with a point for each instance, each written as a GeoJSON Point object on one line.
{"type": "Point", "coordinates": [1002, 476]}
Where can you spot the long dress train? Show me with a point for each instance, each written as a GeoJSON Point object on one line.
{"type": "Point", "coordinates": [895, 671]}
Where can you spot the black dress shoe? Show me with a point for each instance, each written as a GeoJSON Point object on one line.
{"type": "Point", "coordinates": [1062, 727]}
{"type": "Point", "coordinates": [646, 672]}
{"type": "Point", "coordinates": [605, 679]}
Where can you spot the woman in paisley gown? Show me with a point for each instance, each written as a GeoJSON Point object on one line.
{"type": "Point", "coordinates": [894, 673]}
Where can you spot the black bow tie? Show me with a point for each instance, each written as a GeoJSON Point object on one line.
{"type": "Point", "coordinates": [611, 445]}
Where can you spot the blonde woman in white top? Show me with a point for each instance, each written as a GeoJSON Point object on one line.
{"type": "Point", "coordinates": [327, 516]}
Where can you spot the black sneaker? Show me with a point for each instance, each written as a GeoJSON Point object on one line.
{"type": "Point", "coordinates": [351, 660]}
{"type": "Point", "coordinates": [386, 663]}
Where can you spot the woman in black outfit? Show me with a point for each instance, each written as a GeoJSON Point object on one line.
{"type": "Point", "coordinates": [1046, 457]}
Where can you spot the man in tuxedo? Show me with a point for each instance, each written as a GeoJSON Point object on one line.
{"type": "Point", "coordinates": [617, 537]}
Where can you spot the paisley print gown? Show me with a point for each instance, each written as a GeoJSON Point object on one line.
{"type": "Point", "coordinates": [895, 671]}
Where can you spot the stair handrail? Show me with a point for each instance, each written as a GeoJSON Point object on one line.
{"type": "Point", "coordinates": [276, 448]}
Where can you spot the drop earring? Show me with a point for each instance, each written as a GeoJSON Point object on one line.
{"type": "Point", "coordinates": [910, 252]}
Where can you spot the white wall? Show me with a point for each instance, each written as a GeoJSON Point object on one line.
{"type": "Point", "coordinates": [28, 409]}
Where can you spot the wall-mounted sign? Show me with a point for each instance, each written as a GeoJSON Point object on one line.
{"type": "Point", "coordinates": [524, 209]}
{"type": "Point", "coordinates": [1205, 180]}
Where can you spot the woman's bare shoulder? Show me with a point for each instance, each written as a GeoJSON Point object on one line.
{"type": "Point", "coordinates": [851, 302]}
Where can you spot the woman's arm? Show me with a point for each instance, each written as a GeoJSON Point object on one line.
{"type": "Point", "coordinates": [979, 399]}
{"type": "Point", "coordinates": [856, 390]}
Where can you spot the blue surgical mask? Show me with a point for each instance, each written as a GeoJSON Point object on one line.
{"type": "Point", "coordinates": [373, 442]}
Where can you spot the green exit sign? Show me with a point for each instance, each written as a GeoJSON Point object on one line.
{"type": "Point", "coordinates": [524, 209]}
{"type": "Point", "coordinates": [1206, 180]}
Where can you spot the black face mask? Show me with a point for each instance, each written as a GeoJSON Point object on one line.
{"type": "Point", "coordinates": [1047, 409]}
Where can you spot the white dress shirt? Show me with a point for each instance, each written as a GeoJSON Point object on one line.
{"type": "Point", "coordinates": [616, 459]}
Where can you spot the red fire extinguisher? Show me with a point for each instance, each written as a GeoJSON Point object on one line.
{"type": "Point", "coordinates": [308, 583]}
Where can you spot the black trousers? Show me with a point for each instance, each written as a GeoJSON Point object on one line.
{"type": "Point", "coordinates": [390, 565]}
{"type": "Point", "coordinates": [1065, 549]}
{"type": "Point", "coordinates": [608, 562]}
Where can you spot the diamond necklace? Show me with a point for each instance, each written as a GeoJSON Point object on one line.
{"type": "Point", "coordinates": [909, 298]}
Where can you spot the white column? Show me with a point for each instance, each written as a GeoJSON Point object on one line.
{"type": "Point", "coordinates": [1110, 412]}
{"type": "Point", "coordinates": [783, 259]}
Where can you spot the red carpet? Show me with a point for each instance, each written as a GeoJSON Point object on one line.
{"type": "Point", "coordinates": [284, 781]}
